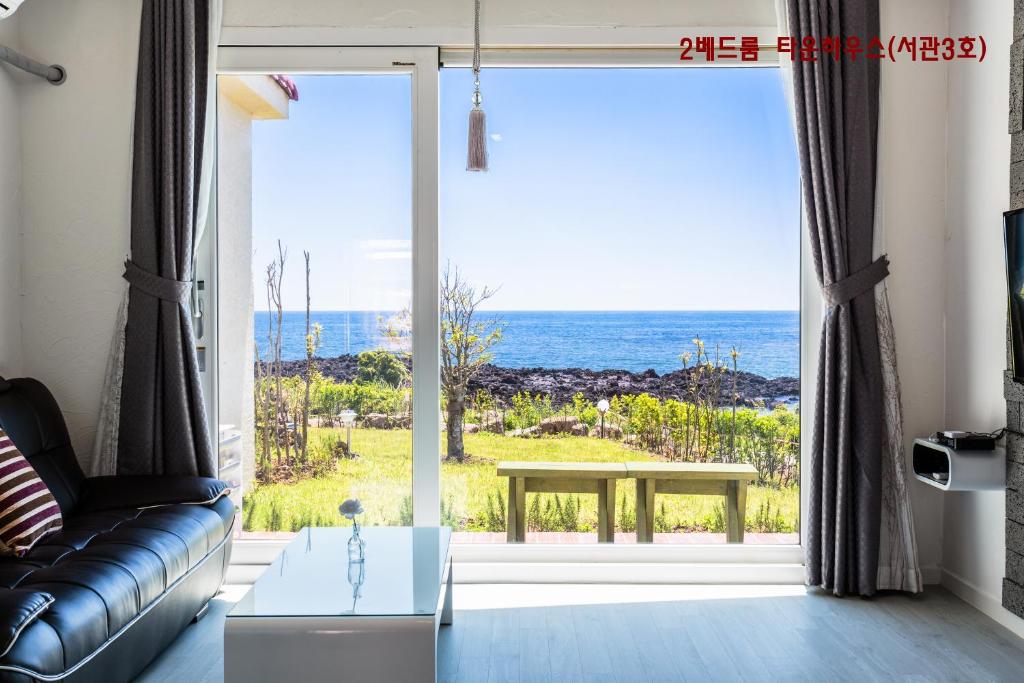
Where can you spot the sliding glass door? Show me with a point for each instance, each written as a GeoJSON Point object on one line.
{"type": "Point", "coordinates": [327, 355]}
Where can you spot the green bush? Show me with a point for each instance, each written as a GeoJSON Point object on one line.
{"type": "Point", "coordinates": [584, 410]}
{"type": "Point", "coordinates": [528, 410]}
{"type": "Point", "coordinates": [329, 397]}
{"type": "Point", "coordinates": [381, 367]}
{"type": "Point", "coordinates": [645, 420]}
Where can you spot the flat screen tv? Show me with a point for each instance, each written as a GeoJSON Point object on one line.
{"type": "Point", "coordinates": [1013, 232]}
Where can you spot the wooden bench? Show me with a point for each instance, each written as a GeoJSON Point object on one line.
{"type": "Point", "coordinates": [707, 479]}
{"type": "Point", "coordinates": [561, 477]}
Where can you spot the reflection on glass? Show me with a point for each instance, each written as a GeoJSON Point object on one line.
{"type": "Point", "coordinates": [330, 273]}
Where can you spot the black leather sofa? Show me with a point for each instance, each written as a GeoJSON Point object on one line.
{"type": "Point", "coordinates": [137, 560]}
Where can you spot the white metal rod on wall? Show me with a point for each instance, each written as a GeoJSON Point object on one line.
{"type": "Point", "coordinates": [54, 73]}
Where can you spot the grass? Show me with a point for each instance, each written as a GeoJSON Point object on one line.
{"type": "Point", "coordinates": [382, 479]}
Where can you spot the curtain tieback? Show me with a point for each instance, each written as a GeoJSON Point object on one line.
{"type": "Point", "coordinates": [852, 286]}
{"type": "Point", "coordinates": [164, 288]}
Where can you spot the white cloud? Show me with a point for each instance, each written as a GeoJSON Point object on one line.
{"type": "Point", "coordinates": [389, 255]}
{"type": "Point", "coordinates": [496, 137]}
{"type": "Point", "coordinates": [372, 245]}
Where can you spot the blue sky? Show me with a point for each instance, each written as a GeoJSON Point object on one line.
{"type": "Point", "coordinates": [609, 189]}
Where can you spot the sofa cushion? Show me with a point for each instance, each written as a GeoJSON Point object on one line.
{"type": "Point", "coordinates": [20, 608]}
{"type": "Point", "coordinates": [28, 511]}
{"type": "Point", "coordinates": [30, 416]}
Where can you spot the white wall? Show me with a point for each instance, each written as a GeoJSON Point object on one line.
{"type": "Point", "coordinates": [912, 171]}
{"type": "Point", "coordinates": [10, 210]}
{"type": "Point", "coordinates": [76, 141]}
{"type": "Point", "coordinates": [503, 22]}
{"type": "Point", "coordinates": [978, 187]}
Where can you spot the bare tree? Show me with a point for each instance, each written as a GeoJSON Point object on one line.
{"type": "Point", "coordinates": [269, 372]}
{"type": "Point", "coordinates": [312, 344]}
{"type": "Point", "coordinates": [465, 348]}
{"type": "Point", "coordinates": [281, 416]}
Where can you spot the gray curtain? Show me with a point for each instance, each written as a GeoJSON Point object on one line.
{"type": "Point", "coordinates": [162, 427]}
{"type": "Point", "coordinates": [836, 110]}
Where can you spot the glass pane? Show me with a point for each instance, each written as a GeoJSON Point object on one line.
{"type": "Point", "coordinates": [321, 401]}
{"type": "Point", "coordinates": [636, 227]}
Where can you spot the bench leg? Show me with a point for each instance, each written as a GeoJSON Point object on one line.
{"type": "Point", "coordinates": [521, 509]}
{"type": "Point", "coordinates": [606, 511]}
{"type": "Point", "coordinates": [736, 510]}
{"type": "Point", "coordinates": [511, 524]}
{"type": "Point", "coordinates": [645, 510]}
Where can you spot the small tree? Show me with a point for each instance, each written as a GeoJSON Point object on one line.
{"type": "Point", "coordinates": [465, 348]}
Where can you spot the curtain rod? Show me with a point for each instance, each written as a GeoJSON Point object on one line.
{"type": "Point", "coordinates": [54, 73]}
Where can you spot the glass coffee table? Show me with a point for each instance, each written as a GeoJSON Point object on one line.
{"type": "Point", "coordinates": [313, 616]}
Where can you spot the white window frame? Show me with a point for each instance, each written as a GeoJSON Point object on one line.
{"type": "Point", "coordinates": [421, 63]}
{"type": "Point", "coordinates": [763, 564]}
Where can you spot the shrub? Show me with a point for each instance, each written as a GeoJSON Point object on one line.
{"type": "Point", "coordinates": [448, 516]}
{"type": "Point", "coordinates": [405, 512]}
{"type": "Point", "coordinates": [330, 397]}
{"type": "Point", "coordinates": [645, 420]}
{"type": "Point", "coordinates": [528, 410]}
{"type": "Point", "coordinates": [275, 519]}
{"type": "Point", "coordinates": [716, 523]}
{"type": "Point", "coordinates": [627, 516]}
{"type": "Point", "coordinates": [584, 410]}
{"type": "Point", "coordinates": [661, 524]}
{"type": "Point", "coordinates": [382, 367]}
{"type": "Point", "coordinates": [568, 515]}
{"type": "Point", "coordinates": [494, 519]}
{"type": "Point", "coordinates": [768, 521]}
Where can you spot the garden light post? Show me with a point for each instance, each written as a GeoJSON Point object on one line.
{"type": "Point", "coordinates": [347, 417]}
{"type": "Point", "coordinates": [602, 407]}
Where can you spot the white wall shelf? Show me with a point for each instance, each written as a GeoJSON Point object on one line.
{"type": "Point", "coordinates": [952, 470]}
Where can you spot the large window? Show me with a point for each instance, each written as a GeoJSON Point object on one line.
{"type": "Point", "coordinates": [635, 252]}
{"type": "Point", "coordinates": [622, 287]}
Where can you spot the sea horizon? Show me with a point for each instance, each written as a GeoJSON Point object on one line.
{"type": "Point", "coordinates": [768, 340]}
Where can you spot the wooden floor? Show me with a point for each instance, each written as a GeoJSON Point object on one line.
{"type": "Point", "coordinates": [538, 633]}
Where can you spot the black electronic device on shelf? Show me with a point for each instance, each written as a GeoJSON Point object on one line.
{"type": "Point", "coordinates": [968, 441]}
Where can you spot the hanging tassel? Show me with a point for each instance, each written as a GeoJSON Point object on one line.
{"type": "Point", "coordinates": [476, 156]}
{"type": "Point", "coordinates": [476, 152]}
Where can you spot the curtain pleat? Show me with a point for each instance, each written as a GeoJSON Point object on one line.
{"type": "Point", "coordinates": [859, 523]}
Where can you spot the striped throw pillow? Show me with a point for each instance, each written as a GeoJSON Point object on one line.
{"type": "Point", "coordinates": [28, 511]}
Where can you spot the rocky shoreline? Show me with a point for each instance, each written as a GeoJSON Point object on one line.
{"type": "Point", "coordinates": [562, 383]}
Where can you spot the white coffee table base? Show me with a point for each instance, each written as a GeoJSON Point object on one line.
{"type": "Point", "coordinates": [342, 648]}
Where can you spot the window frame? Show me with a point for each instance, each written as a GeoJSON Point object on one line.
{"type": "Point", "coordinates": [424, 64]}
{"type": "Point", "coordinates": [421, 63]}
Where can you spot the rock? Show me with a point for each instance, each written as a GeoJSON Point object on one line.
{"type": "Point", "coordinates": [526, 432]}
{"type": "Point", "coordinates": [503, 383]}
{"type": "Point", "coordinates": [492, 421]}
{"type": "Point", "coordinates": [610, 431]}
{"type": "Point", "coordinates": [579, 429]}
{"type": "Point", "coordinates": [376, 421]}
{"type": "Point", "coordinates": [560, 424]}
{"type": "Point", "coordinates": [470, 428]}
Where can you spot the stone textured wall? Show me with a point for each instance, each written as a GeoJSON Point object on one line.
{"type": "Point", "coordinates": [1013, 583]}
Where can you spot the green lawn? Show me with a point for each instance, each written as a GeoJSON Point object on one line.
{"type": "Point", "coordinates": [382, 479]}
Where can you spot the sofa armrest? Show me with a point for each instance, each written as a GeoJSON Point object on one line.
{"type": "Point", "coordinates": [19, 607]}
{"type": "Point", "coordinates": [139, 491]}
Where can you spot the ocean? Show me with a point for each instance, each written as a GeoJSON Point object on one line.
{"type": "Point", "coordinates": [768, 341]}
